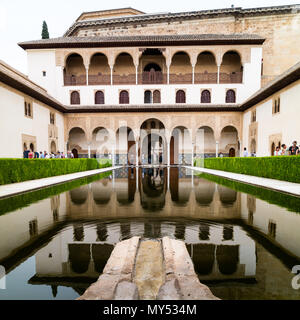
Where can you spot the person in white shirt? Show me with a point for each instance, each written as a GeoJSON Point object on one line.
{"type": "Point", "coordinates": [245, 153]}
{"type": "Point", "coordinates": [277, 152]}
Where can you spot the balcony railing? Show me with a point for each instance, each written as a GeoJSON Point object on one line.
{"type": "Point", "coordinates": [124, 79]}
{"type": "Point", "coordinates": [99, 79]}
{"type": "Point", "coordinates": [152, 77]}
{"type": "Point", "coordinates": [236, 77]}
{"type": "Point", "coordinates": [156, 77]}
{"type": "Point", "coordinates": [70, 80]}
{"type": "Point", "coordinates": [186, 78]}
{"type": "Point", "coordinates": [206, 77]}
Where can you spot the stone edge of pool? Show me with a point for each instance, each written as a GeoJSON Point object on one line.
{"type": "Point", "coordinates": [125, 277]}
{"type": "Point", "coordinates": [14, 189]}
{"type": "Point", "coordinates": [276, 185]}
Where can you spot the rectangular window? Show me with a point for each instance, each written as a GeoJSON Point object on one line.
{"type": "Point", "coordinates": [52, 118]}
{"type": "Point", "coordinates": [253, 116]}
{"type": "Point", "coordinates": [28, 111]}
{"type": "Point", "coordinates": [276, 105]}
{"type": "Point", "coordinates": [44, 73]}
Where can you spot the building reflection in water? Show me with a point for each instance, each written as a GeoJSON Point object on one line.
{"type": "Point", "coordinates": [153, 203]}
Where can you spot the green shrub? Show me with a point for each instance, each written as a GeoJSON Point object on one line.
{"type": "Point", "coordinates": [285, 168]}
{"type": "Point", "coordinates": [18, 170]}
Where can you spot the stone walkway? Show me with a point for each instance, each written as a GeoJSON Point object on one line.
{"type": "Point", "coordinates": [277, 185]}
{"type": "Point", "coordinates": [149, 270]}
{"type": "Point", "coordinates": [13, 189]}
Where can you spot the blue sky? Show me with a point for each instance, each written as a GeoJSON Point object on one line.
{"type": "Point", "coordinates": [22, 20]}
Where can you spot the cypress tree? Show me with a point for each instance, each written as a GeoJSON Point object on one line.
{"type": "Point", "coordinates": [45, 32]}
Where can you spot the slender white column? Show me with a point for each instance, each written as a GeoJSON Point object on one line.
{"type": "Point", "coordinates": [218, 81]}
{"type": "Point", "coordinates": [87, 76]}
{"type": "Point", "coordinates": [113, 155]}
{"type": "Point", "coordinates": [168, 178]}
{"type": "Point", "coordinates": [89, 151]}
{"type": "Point", "coordinates": [168, 74]}
{"type": "Point", "coordinates": [137, 178]}
{"type": "Point", "coordinates": [193, 74]}
{"type": "Point", "coordinates": [217, 149]}
{"type": "Point", "coordinates": [111, 75]}
{"type": "Point", "coordinates": [192, 155]}
{"type": "Point", "coordinates": [136, 75]}
{"type": "Point", "coordinates": [169, 155]}
{"type": "Point", "coordinates": [136, 154]}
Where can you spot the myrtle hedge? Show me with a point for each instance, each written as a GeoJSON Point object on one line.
{"type": "Point", "coordinates": [18, 170]}
{"type": "Point", "coordinates": [285, 168]}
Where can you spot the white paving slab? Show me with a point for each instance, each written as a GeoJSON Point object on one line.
{"type": "Point", "coordinates": [13, 189]}
{"type": "Point", "coordinates": [277, 185]}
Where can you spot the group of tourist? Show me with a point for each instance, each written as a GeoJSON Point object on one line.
{"type": "Point", "coordinates": [293, 150]}
{"type": "Point", "coordinates": [29, 154]}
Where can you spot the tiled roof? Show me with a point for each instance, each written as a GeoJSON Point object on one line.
{"type": "Point", "coordinates": [19, 81]}
{"type": "Point", "coordinates": [119, 41]}
{"type": "Point", "coordinates": [153, 108]}
{"type": "Point", "coordinates": [181, 16]}
{"type": "Point", "coordinates": [289, 76]}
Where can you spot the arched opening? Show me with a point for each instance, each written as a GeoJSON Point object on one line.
{"type": "Point", "coordinates": [101, 253]}
{"type": "Point", "coordinates": [229, 141]}
{"type": "Point", "coordinates": [206, 70]}
{"type": "Point", "coordinates": [230, 96]}
{"type": "Point", "coordinates": [204, 191]}
{"type": "Point", "coordinates": [180, 146]}
{"type": "Point", "coordinates": [31, 147]}
{"type": "Point", "coordinates": [79, 195]}
{"type": "Point", "coordinates": [99, 70]}
{"type": "Point", "coordinates": [100, 143]}
{"type": "Point", "coordinates": [74, 71]}
{"type": "Point", "coordinates": [125, 146]}
{"type": "Point", "coordinates": [75, 153]}
{"type": "Point", "coordinates": [205, 142]}
{"type": "Point", "coordinates": [273, 148]}
{"type": "Point", "coordinates": [75, 97]}
{"type": "Point", "coordinates": [153, 149]}
{"type": "Point", "coordinates": [205, 96]}
{"type": "Point", "coordinates": [79, 257]}
{"type": "Point", "coordinates": [227, 258]}
{"type": "Point", "coordinates": [253, 147]}
{"type": "Point", "coordinates": [99, 97]}
{"type": "Point", "coordinates": [203, 257]}
{"type": "Point", "coordinates": [227, 196]}
{"type": "Point", "coordinates": [153, 191]}
{"type": "Point", "coordinates": [231, 152]}
{"type": "Point", "coordinates": [152, 66]}
{"type": "Point", "coordinates": [124, 70]}
{"type": "Point", "coordinates": [102, 190]}
{"type": "Point", "coordinates": [53, 147]}
{"type": "Point", "coordinates": [231, 70]}
{"type": "Point", "coordinates": [77, 141]}
{"type": "Point", "coordinates": [180, 96]}
{"type": "Point", "coordinates": [147, 96]}
{"type": "Point", "coordinates": [124, 97]}
{"type": "Point", "coordinates": [181, 69]}
{"type": "Point", "coordinates": [156, 96]}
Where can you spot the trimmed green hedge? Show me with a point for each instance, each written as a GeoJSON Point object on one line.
{"type": "Point", "coordinates": [18, 170]}
{"type": "Point", "coordinates": [285, 168]}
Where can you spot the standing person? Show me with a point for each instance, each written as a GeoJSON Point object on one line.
{"type": "Point", "coordinates": [26, 153]}
{"type": "Point", "coordinates": [42, 155]}
{"type": "Point", "coordinates": [30, 155]}
{"type": "Point", "coordinates": [277, 151]}
{"type": "Point", "coordinates": [245, 153]}
{"type": "Point", "coordinates": [283, 150]}
{"type": "Point", "coordinates": [293, 150]}
{"type": "Point", "coordinates": [221, 155]}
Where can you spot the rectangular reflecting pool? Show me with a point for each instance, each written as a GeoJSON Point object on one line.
{"type": "Point", "coordinates": [243, 240]}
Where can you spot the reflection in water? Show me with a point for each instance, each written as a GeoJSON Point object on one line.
{"type": "Point", "coordinates": [231, 237]}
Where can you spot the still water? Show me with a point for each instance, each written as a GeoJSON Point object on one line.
{"type": "Point", "coordinates": [242, 247]}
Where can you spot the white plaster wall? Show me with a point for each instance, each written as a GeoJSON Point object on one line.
{"type": "Point", "coordinates": [13, 124]}
{"type": "Point", "coordinates": [39, 61]}
{"type": "Point", "coordinates": [268, 123]}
